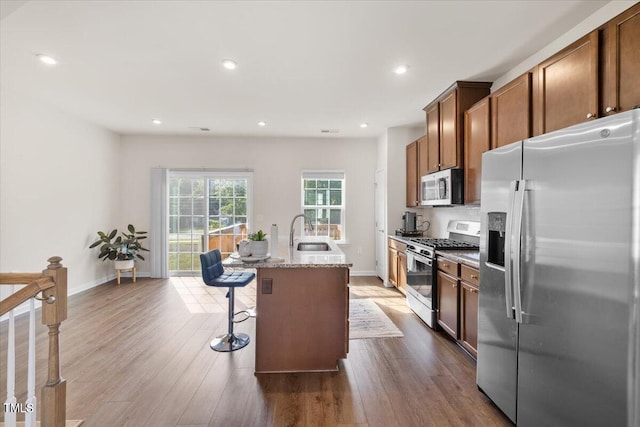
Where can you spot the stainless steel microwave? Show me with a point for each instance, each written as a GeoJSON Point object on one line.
{"type": "Point", "coordinates": [442, 188]}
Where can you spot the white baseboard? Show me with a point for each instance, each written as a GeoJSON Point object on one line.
{"type": "Point", "coordinates": [362, 273]}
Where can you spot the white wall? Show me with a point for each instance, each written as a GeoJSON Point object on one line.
{"type": "Point", "coordinates": [397, 140]}
{"type": "Point", "coordinates": [277, 164]}
{"type": "Point", "coordinates": [59, 184]}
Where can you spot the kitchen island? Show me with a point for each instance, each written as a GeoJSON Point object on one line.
{"type": "Point", "coordinates": [302, 308]}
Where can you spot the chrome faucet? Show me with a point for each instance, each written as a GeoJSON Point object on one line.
{"type": "Point", "coordinates": [292, 230]}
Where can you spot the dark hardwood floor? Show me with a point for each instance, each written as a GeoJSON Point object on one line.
{"type": "Point", "coordinates": [138, 355]}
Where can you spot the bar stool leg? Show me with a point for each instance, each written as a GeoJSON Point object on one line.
{"type": "Point", "coordinates": [230, 341]}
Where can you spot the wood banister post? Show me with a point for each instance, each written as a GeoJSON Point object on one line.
{"type": "Point", "coordinates": [54, 392]}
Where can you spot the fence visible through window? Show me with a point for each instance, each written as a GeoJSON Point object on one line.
{"type": "Point", "coordinates": [205, 212]}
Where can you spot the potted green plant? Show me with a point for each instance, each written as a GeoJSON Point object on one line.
{"type": "Point", "coordinates": [123, 249]}
{"type": "Point", "coordinates": [259, 244]}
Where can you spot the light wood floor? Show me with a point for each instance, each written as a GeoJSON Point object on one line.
{"type": "Point", "coordinates": [138, 355]}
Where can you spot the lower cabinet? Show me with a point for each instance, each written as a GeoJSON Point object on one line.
{"type": "Point", "coordinates": [457, 313]}
{"type": "Point", "coordinates": [448, 303]}
{"type": "Point", "coordinates": [397, 275]}
{"type": "Point", "coordinates": [469, 318]}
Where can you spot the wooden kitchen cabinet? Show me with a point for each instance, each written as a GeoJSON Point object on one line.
{"type": "Point", "coordinates": [621, 58]}
{"type": "Point", "coordinates": [397, 275]}
{"type": "Point", "coordinates": [393, 265]}
{"type": "Point", "coordinates": [402, 272]}
{"type": "Point", "coordinates": [423, 160]}
{"type": "Point", "coordinates": [566, 86]}
{"type": "Point", "coordinates": [450, 150]}
{"type": "Point", "coordinates": [292, 302]}
{"type": "Point", "coordinates": [477, 140]}
{"type": "Point", "coordinates": [433, 137]}
{"type": "Point", "coordinates": [457, 312]}
{"type": "Point", "coordinates": [448, 304]}
{"type": "Point", "coordinates": [469, 318]}
{"type": "Point", "coordinates": [412, 187]}
{"type": "Point", "coordinates": [511, 111]}
{"type": "Point", "coordinates": [445, 123]}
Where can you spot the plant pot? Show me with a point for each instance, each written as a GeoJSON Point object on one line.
{"type": "Point", "coordinates": [125, 264]}
{"type": "Point", "coordinates": [259, 248]}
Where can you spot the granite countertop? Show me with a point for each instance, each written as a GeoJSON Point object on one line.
{"type": "Point", "coordinates": [470, 258]}
{"type": "Point", "coordinates": [400, 239]}
{"type": "Point", "coordinates": [290, 257]}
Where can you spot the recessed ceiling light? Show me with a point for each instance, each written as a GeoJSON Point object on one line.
{"type": "Point", "coordinates": [46, 59]}
{"type": "Point", "coordinates": [364, 125]}
{"type": "Point", "coordinates": [156, 121]}
{"type": "Point", "coordinates": [262, 124]}
{"type": "Point", "coordinates": [229, 64]}
{"type": "Point", "coordinates": [401, 69]}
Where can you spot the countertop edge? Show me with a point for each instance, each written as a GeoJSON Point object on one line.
{"type": "Point", "coordinates": [452, 254]}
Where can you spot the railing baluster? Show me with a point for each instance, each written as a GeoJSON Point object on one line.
{"type": "Point", "coordinates": [10, 403]}
{"type": "Point", "coordinates": [30, 417]}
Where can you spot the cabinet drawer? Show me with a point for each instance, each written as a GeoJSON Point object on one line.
{"type": "Point", "coordinates": [469, 275]}
{"type": "Point", "coordinates": [449, 266]}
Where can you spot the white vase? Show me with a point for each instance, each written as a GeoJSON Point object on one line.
{"type": "Point", "coordinates": [124, 264]}
{"type": "Point", "coordinates": [259, 248]}
{"type": "Point", "coordinates": [244, 248]}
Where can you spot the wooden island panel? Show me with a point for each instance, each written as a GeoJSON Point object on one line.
{"type": "Point", "coordinates": [302, 325]}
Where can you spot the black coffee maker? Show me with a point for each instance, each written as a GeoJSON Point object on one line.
{"type": "Point", "coordinates": [409, 222]}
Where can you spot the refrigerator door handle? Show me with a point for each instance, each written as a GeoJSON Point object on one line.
{"type": "Point", "coordinates": [517, 295]}
{"type": "Point", "coordinates": [508, 287]}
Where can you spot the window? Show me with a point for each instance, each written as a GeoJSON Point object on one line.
{"type": "Point", "coordinates": [323, 202]}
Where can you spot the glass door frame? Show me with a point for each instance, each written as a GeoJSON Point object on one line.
{"type": "Point", "coordinates": [206, 175]}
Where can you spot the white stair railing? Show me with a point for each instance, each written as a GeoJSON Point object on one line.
{"type": "Point", "coordinates": [30, 404]}
{"type": "Point", "coordinates": [52, 285]}
{"type": "Point", "coordinates": [10, 402]}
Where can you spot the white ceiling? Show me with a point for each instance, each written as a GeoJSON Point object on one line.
{"type": "Point", "coordinates": [303, 66]}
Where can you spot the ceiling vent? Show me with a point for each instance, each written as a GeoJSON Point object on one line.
{"type": "Point", "coordinates": [199, 128]}
{"type": "Point", "coordinates": [329, 130]}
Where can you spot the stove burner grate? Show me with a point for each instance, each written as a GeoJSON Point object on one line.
{"type": "Point", "coordinates": [444, 243]}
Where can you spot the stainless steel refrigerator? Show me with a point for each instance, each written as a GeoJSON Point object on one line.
{"type": "Point", "coordinates": [559, 258]}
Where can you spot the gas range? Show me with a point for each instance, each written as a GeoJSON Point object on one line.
{"type": "Point", "coordinates": [422, 268]}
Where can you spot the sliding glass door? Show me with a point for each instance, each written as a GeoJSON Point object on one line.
{"type": "Point", "coordinates": [206, 211]}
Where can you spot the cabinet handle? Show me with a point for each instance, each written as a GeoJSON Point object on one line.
{"type": "Point", "coordinates": [445, 265]}
{"type": "Point", "coordinates": [454, 286]}
{"type": "Point", "coordinates": [609, 109]}
{"type": "Point", "coordinates": [473, 276]}
{"type": "Point", "coordinates": [590, 115]}
{"type": "Point", "coordinates": [473, 291]}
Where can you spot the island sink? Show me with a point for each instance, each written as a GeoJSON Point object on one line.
{"type": "Point", "coordinates": [313, 246]}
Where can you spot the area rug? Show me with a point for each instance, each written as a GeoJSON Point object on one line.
{"type": "Point", "coordinates": [70, 423]}
{"type": "Point", "coordinates": [367, 320]}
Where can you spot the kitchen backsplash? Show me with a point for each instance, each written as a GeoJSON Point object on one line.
{"type": "Point", "coordinates": [439, 217]}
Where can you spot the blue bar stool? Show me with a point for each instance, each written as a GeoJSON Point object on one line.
{"type": "Point", "coordinates": [213, 275]}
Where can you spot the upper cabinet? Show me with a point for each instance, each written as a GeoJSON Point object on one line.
{"type": "Point", "coordinates": [445, 123]}
{"type": "Point", "coordinates": [595, 76]}
{"type": "Point", "coordinates": [412, 175]}
{"type": "Point", "coordinates": [433, 137]}
{"type": "Point", "coordinates": [477, 140]}
{"type": "Point", "coordinates": [566, 87]}
{"type": "Point", "coordinates": [511, 112]}
{"type": "Point", "coordinates": [621, 58]}
{"type": "Point", "coordinates": [423, 157]}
